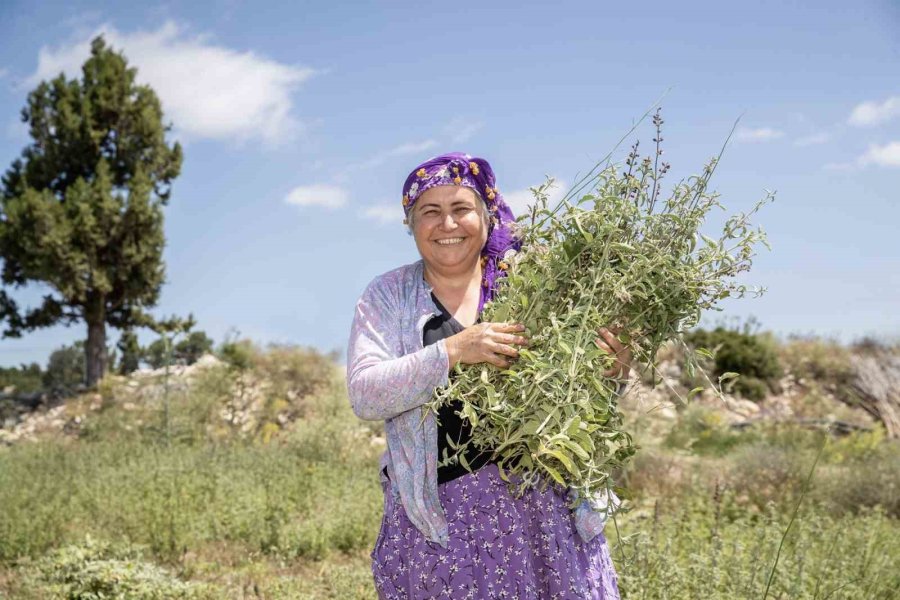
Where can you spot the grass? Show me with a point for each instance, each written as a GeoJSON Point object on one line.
{"type": "Point", "coordinates": [295, 513]}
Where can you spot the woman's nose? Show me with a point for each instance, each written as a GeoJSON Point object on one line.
{"type": "Point", "coordinates": [449, 222]}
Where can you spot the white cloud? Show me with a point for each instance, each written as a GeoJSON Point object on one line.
{"type": "Point", "coordinates": [207, 90]}
{"type": "Point", "coordinates": [520, 200]}
{"type": "Point", "coordinates": [883, 156]}
{"type": "Point", "coordinates": [761, 134]}
{"type": "Point", "coordinates": [327, 196]}
{"type": "Point", "coordinates": [812, 140]}
{"type": "Point", "coordinates": [873, 113]}
{"type": "Point", "coordinates": [383, 213]}
{"type": "Point", "coordinates": [461, 129]}
{"type": "Point", "coordinates": [887, 155]}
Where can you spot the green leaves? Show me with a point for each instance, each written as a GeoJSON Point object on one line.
{"type": "Point", "coordinates": [83, 204]}
{"type": "Point", "coordinates": [607, 258]}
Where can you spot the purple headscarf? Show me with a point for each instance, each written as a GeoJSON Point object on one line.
{"type": "Point", "coordinates": [457, 168]}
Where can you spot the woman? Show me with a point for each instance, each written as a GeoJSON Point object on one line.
{"type": "Point", "coordinates": [446, 532]}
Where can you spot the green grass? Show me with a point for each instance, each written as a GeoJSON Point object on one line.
{"type": "Point", "coordinates": [708, 548]}
{"type": "Point", "coordinates": [294, 513]}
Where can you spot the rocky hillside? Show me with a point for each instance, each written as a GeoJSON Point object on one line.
{"type": "Point", "coordinates": [267, 398]}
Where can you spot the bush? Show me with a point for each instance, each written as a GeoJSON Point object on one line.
{"type": "Point", "coordinates": [66, 368]}
{"type": "Point", "coordinates": [753, 356]}
{"type": "Point", "coordinates": [296, 373]}
{"type": "Point", "coordinates": [23, 379]}
{"type": "Point", "coordinates": [704, 431]}
{"type": "Point", "coordinates": [155, 354]}
{"type": "Point", "coordinates": [820, 365]}
{"type": "Point", "coordinates": [190, 349]}
{"type": "Point", "coordinates": [94, 570]}
{"type": "Point", "coordinates": [131, 352]}
{"type": "Point", "coordinates": [856, 447]}
{"type": "Point", "coordinates": [652, 473]}
{"type": "Point", "coordinates": [239, 354]}
{"type": "Point", "coordinates": [761, 473]}
{"type": "Point", "coordinates": [815, 359]}
{"type": "Point", "coordinates": [869, 481]}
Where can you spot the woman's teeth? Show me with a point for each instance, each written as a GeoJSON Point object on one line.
{"type": "Point", "coordinates": [449, 242]}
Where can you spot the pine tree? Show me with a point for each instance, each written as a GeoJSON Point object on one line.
{"type": "Point", "coordinates": [81, 210]}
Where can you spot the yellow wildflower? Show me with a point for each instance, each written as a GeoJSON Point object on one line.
{"type": "Point", "coordinates": [474, 168]}
{"type": "Point", "coordinates": [420, 173]}
{"type": "Point", "coordinates": [457, 180]}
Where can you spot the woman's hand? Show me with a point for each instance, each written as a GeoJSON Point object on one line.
{"type": "Point", "coordinates": [622, 354]}
{"type": "Point", "coordinates": [486, 342]}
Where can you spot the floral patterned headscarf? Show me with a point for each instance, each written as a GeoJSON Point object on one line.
{"type": "Point", "coordinates": [457, 168]}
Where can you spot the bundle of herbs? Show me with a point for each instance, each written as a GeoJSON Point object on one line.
{"type": "Point", "coordinates": [609, 255]}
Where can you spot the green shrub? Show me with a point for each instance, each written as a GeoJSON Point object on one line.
{"type": "Point", "coordinates": [858, 446]}
{"type": "Point", "coordinates": [95, 570]}
{"type": "Point", "coordinates": [815, 359]}
{"type": "Point", "coordinates": [297, 376]}
{"type": "Point", "coordinates": [869, 480]}
{"type": "Point", "coordinates": [761, 473]}
{"type": "Point", "coordinates": [238, 353]}
{"type": "Point", "coordinates": [753, 356]}
{"type": "Point", "coordinates": [821, 365]}
{"type": "Point", "coordinates": [191, 348]}
{"type": "Point", "coordinates": [705, 431]}
{"type": "Point", "coordinates": [66, 368]}
{"type": "Point", "coordinates": [652, 473]}
{"type": "Point", "coordinates": [25, 378]}
{"type": "Point", "coordinates": [131, 352]}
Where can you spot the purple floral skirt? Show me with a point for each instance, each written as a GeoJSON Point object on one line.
{"type": "Point", "coordinates": [500, 547]}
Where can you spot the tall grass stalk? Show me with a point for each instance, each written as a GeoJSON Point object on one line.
{"type": "Point", "coordinates": [793, 517]}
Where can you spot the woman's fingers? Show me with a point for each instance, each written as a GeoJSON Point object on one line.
{"type": "Point", "coordinates": [499, 361]}
{"type": "Point", "coordinates": [508, 338]}
{"type": "Point", "coordinates": [604, 346]}
{"type": "Point", "coordinates": [507, 327]}
{"type": "Point", "coordinates": [505, 349]}
{"type": "Point", "coordinates": [612, 373]}
{"type": "Point", "coordinates": [612, 340]}
{"type": "Point", "coordinates": [612, 347]}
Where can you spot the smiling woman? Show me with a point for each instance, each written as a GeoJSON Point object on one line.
{"type": "Point", "coordinates": [447, 531]}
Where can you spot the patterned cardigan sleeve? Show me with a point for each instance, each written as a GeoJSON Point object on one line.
{"type": "Point", "coordinates": [381, 381]}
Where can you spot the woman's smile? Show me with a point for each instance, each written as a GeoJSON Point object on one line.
{"type": "Point", "coordinates": [450, 241]}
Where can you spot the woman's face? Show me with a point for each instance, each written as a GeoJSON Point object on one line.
{"type": "Point", "coordinates": [449, 228]}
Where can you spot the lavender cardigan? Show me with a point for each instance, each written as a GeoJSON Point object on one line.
{"type": "Point", "coordinates": [390, 375]}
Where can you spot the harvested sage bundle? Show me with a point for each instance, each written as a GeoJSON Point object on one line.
{"type": "Point", "coordinates": [606, 256]}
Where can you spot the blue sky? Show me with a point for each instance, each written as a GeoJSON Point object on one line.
{"type": "Point", "coordinates": [300, 121]}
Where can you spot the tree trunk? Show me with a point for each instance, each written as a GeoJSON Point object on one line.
{"type": "Point", "coordinates": [95, 349]}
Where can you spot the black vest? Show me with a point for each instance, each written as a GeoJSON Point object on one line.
{"type": "Point", "coordinates": [449, 423]}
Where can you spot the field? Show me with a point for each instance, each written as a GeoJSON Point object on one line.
{"type": "Point", "coordinates": [249, 482]}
